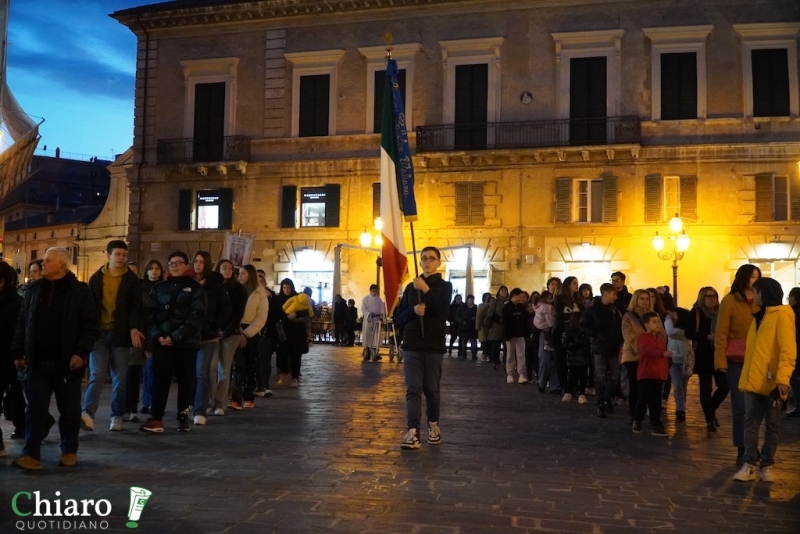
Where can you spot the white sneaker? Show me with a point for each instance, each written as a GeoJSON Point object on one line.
{"type": "Point", "coordinates": [434, 434]}
{"type": "Point", "coordinates": [127, 416]}
{"type": "Point", "coordinates": [567, 397]}
{"type": "Point", "coordinates": [87, 423]}
{"type": "Point", "coordinates": [134, 418]}
{"type": "Point", "coordinates": [219, 411]}
{"type": "Point", "coordinates": [582, 399]}
{"type": "Point", "coordinates": [510, 379]}
{"type": "Point", "coordinates": [767, 475]}
{"type": "Point", "coordinates": [116, 423]}
{"type": "Point", "coordinates": [590, 391]}
{"type": "Point", "coordinates": [411, 440]}
{"type": "Point", "coordinates": [295, 383]}
{"type": "Point", "coordinates": [199, 419]}
{"type": "Point", "coordinates": [746, 473]}
{"type": "Point", "coordinates": [522, 380]}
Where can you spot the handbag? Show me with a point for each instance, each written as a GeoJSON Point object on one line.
{"type": "Point", "coordinates": [735, 349]}
{"type": "Point", "coordinates": [688, 362]}
{"type": "Point", "coordinates": [280, 329]}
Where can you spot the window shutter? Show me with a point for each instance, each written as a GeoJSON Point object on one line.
{"type": "Point", "coordinates": [610, 199]}
{"type": "Point", "coordinates": [462, 204]}
{"type": "Point", "coordinates": [563, 205]}
{"type": "Point", "coordinates": [332, 206]}
{"type": "Point", "coordinates": [688, 195]}
{"type": "Point", "coordinates": [288, 206]}
{"type": "Point", "coordinates": [763, 197]}
{"type": "Point", "coordinates": [376, 200]}
{"type": "Point", "coordinates": [225, 208]}
{"type": "Point", "coordinates": [770, 82]}
{"type": "Point", "coordinates": [794, 198]}
{"type": "Point", "coordinates": [476, 211]}
{"type": "Point", "coordinates": [653, 191]}
{"type": "Point", "coordinates": [185, 209]}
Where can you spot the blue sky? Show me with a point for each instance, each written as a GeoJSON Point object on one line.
{"type": "Point", "coordinates": [72, 64]}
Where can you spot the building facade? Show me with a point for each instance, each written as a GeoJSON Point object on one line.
{"type": "Point", "coordinates": [549, 139]}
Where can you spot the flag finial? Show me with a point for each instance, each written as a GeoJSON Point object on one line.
{"type": "Point", "coordinates": [387, 39]}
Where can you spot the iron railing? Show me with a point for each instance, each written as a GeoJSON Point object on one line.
{"type": "Point", "coordinates": [529, 134]}
{"type": "Point", "coordinates": [229, 148]}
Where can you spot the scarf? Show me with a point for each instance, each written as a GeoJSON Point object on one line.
{"type": "Point", "coordinates": [712, 315]}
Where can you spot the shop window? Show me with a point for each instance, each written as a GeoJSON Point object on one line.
{"type": "Point", "coordinates": [470, 204]}
{"type": "Point", "coordinates": [586, 201]}
{"type": "Point", "coordinates": [207, 209]}
{"type": "Point", "coordinates": [318, 206]}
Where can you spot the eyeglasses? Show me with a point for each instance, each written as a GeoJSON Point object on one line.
{"type": "Point", "coordinates": [428, 258]}
{"type": "Point", "coordinates": [709, 296]}
{"type": "Point", "coordinates": [176, 263]}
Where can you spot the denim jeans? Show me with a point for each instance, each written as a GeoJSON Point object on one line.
{"type": "Point", "coordinates": [423, 373]}
{"type": "Point", "coordinates": [547, 371]}
{"type": "Point", "coordinates": [678, 386]}
{"type": "Point", "coordinates": [107, 354]}
{"type": "Point", "coordinates": [462, 346]}
{"type": "Point", "coordinates": [737, 402]}
{"type": "Point", "coordinates": [761, 408]}
{"type": "Point", "coordinates": [221, 373]}
{"type": "Point", "coordinates": [208, 351]}
{"type": "Point", "coordinates": [42, 383]}
{"type": "Point", "coordinates": [606, 374]}
{"type": "Point", "coordinates": [147, 382]}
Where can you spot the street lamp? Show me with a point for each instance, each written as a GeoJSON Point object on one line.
{"type": "Point", "coordinates": [680, 244]}
{"type": "Point", "coordinates": [368, 239]}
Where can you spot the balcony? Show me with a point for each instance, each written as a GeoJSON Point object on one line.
{"type": "Point", "coordinates": [229, 148]}
{"type": "Point", "coordinates": [530, 134]}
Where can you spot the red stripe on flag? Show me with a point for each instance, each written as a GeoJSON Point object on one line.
{"type": "Point", "coordinates": [395, 267]}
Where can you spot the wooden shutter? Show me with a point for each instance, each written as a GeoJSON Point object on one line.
{"type": "Point", "coordinates": [314, 105]}
{"type": "Point", "coordinates": [462, 204]}
{"type": "Point", "coordinates": [476, 212]}
{"type": "Point", "coordinates": [794, 198]}
{"type": "Point", "coordinates": [225, 209]}
{"type": "Point", "coordinates": [679, 86]}
{"type": "Point", "coordinates": [376, 200]}
{"type": "Point", "coordinates": [688, 196]}
{"type": "Point", "coordinates": [563, 200]}
{"type": "Point", "coordinates": [332, 206]}
{"type": "Point", "coordinates": [380, 86]}
{"type": "Point", "coordinates": [288, 206]}
{"type": "Point", "coordinates": [653, 193]}
{"type": "Point", "coordinates": [609, 199]}
{"type": "Point", "coordinates": [763, 197]}
{"type": "Point", "coordinates": [770, 82]}
{"type": "Point", "coordinates": [185, 209]}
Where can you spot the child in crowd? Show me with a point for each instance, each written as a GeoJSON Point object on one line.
{"type": "Point", "coordinates": [651, 373]}
{"type": "Point", "coordinates": [544, 320]}
{"type": "Point", "coordinates": [300, 302]}
{"type": "Point", "coordinates": [577, 359]}
{"type": "Point", "coordinates": [681, 349]}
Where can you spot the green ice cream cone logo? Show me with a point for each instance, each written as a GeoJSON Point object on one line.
{"type": "Point", "coordinates": [139, 498]}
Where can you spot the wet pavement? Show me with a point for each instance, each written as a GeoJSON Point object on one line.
{"type": "Point", "coordinates": [325, 458]}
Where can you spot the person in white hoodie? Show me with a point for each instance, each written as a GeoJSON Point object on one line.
{"type": "Point", "coordinates": [246, 358]}
{"type": "Point", "coordinates": [680, 348]}
{"type": "Point", "coordinates": [544, 321]}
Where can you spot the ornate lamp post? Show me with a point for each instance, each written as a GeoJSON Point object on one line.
{"type": "Point", "coordinates": [680, 244]}
{"type": "Point", "coordinates": [366, 240]}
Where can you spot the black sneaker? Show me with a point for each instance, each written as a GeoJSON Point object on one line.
{"type": "Point", "coordinates": [183, 423]}
{"type": "Point", "coordinates": [680, 417]}
{"type": "Point", "coordinates": [710, 427]}
{"type": "Point", "coordinates": [793, 415]}
{"type": "Point", "coordinates": [145, 410]}
{"type": "Point", "coordinates": [541, 389]}
{"type": "Point", "coordinates": [659, 431]}
{"type": "Point", "coordinates": [601, 412]}
{"type": "Point", "coordinates": [637, 427]}
{"type": "Point", "coordinates": [716, 422]}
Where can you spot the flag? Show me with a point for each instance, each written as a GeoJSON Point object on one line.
{"type": "Point", "coordinates": [397, 187]}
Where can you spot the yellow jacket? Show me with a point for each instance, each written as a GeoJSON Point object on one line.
{"type": "Point", "coordinates": [299, 302]}
{"type": "Point", "coordinates": [733, 322]}
{"type": "Point", "coordinates": [771, 352]}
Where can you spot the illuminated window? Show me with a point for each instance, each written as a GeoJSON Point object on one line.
{"type": "Point", "coordinates": [319, 206]}
{"type": "Point", "coordinates": [205, 209]}
{"type": "Point", "coordinates": [312, 206]}
{"type": "Point", "coordinates": [589, 200]}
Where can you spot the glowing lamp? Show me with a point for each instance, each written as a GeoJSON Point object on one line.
{"type": "Point", "coordinates": [682, 244]}
{"type": "Point", "coordinates": [658, 243]}
{"type": "Point", "coordinates": [378, 224]}
{"type": "Point", "coordinates": [675, 224]}
{"type": "Point", "coordinates": [366, 239]}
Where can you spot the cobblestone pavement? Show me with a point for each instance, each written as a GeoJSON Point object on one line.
{"type": "Point", "coordinates": [325, 458]}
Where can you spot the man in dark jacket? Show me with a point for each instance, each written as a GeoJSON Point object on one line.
{"type": "Point", "coordinates": [467, 329]}
{"type": "Point", "coordinates": [10, 388]}
{"type": "Point", "coordinates": [794, 382]}
{"type": "Point", "coordinates": [602, 322]}
{"type": "Point", "coordinates": [623, 296]}
{"type": "Point", "coordinates": [422, 314]}
{"type": "Point", "coordinates": [119, 302]}
{"type": "Point", "coordinates": [56, 330]}
{"type": "Point", "coordinates": [340, 319]}
{"type": "Point", "coordinates": [174, 317]}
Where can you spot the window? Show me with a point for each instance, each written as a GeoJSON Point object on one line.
{"type": "Point", "coordinates": [34, 252]}
{"type": "Point", "coordinates": [209, 122]}
{"type": "Point", "coordinates": [403, 54]}
{"type": "Point", "coordinates": [777, 198]}
{"type": "Point", "coordinates": [586, 201]}
{"type": "Point", "coordinates": [672, 196]}
{"type": "Point", "coordinates": [678, 65]}
{"type": "Point", "coordinates": [319, 206]}
{"type": "Point", "coordinates": [210, 98]}
{"type": "Point", "coordinates": [664, 196]}
{"type": "Point", "coordinates": [471, 106]}
{"type": "Point", "coordinates": [469, 204]}
{"type": "Point", "coordinates": [205, 209]}
{"type": "Point", "coordinates": [376, 201]}
{"type": "Point", "coordinates": [587, 100]}
{"type": "Point", "coordinates": [769, 69]}
{"type": "Point", "coordinates": [472, 52]}
{"type": "Point", "coordinates": [314, 84]}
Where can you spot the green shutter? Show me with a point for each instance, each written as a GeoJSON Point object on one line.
{"type": "Point", "coordinates": [764, 198]}
{"type": "Point", "coordinates": [653, 192]}
{"type": "Point", "coordinates": [794, 197]}
{"type": "Point", "coordinates": [688, 197]}
{"type": "Point", "coordinates": [477, 216]}
{"type": "Point", "coordinates": [609, 199]}
{"type": "Point", "coordinates": [225, 209]}
{"type": "Point", "coordinates": [185, 209]}
{"type": "Point", "coordinates": [289, 206]}
{"type": "Point", "coordinates": [563, 199]}
{"type": "Point", "coordinates": [332, 206]}
{"type": "Point", "coordinates": [376, 200]}
{"type": "Point", "coordinates": [462, 204]}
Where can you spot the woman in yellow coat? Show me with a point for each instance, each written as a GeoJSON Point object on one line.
{"type": "Point", "coordinates": [768, 364]}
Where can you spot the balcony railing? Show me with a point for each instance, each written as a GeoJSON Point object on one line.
{"type": "Point", "coordinates": [230, 148]}
{"type": "Point", "coordinates": [530, 134]}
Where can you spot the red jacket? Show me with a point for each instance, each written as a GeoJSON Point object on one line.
{"type": "Point", "coordinates": [652, 363]}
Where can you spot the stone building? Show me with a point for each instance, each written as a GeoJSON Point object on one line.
{"type": "Point", "coordinates": [551, 138]}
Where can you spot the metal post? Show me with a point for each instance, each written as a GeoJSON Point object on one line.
{"type": "Point", "coordinates": [337, 270]}
{"type": "Point", "coordinates": [675, 280]}
{"type": "Point", "coordinates": [378, 265]}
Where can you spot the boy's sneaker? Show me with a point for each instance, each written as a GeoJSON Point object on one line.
{"type": "Point", "coordinates": [582, 399]}
{"type": "Point", "coordinates": [510, 379]}
{"type": "Point", "coordinates": [116, 423]}
{"type": "Point", "coordinates": [746, 473]}
{"type": "Point", "coordinates": [199, 419]}
{"type": "Point", "coordinates": [767, 475]}
{"type": "Point", "coordinates": [567, 397]}
{"type": "Point", "coordinates": [87, 423]}
{"type": "Point", "coordinates": [219, 411]}
{"type": "Point", "coordinates": [295, 383]}
{"type": "Point", "coordinates": [249, 404]}
{"type": "Point", "coordinates": [134, 417]}
{"type": "Point", "coordinates": [67, 459]}
{"type": "Point", "coordinates": [434, 434]}
{"type": "Point", "coordinates": [590, 391]}
{"type": "Point", "coordinates": [28, 462]}
{"type": "Point", "coordinates": [267, 393]}
{"type": "Point", "coordinates": [183, 423]}
{"type": "Point", "coordinates": [152, 425]}
{"type": "Point", "coordinates": [411, 441]}
{"type": "Point", "coordinates": [659, 431]}
{"type": "Point", "coordinates": [637, 427]}
{"type": "Point", "coordinates": [233, 405]}
{"type": "Point", "coordinates": [523, 380]}
{"type": "Point", "coordinates": [260, 392]}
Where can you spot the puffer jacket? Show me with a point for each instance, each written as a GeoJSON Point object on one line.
{"type": "Point", "coordinates": [603, 324]}
{"type": "Point", "coordinates": [175, 308]}
{"type": "Point", "coordinates": [80, 325]}
{"type": "Point", "coordinates": [676, 341]}
{"type": "Point", "coordinates": [733, 322]}
{"type": "Point", "coordinates": [771, 351]}
{"type": "Point", "coordinates": [653, 364]}
{"type": "Point", "coordinates": [256, 311]}
{"type": "Point", "coordinates": [218, 307]}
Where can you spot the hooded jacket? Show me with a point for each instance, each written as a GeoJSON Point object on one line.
{"type": "Point", "coordinates": [296, 341]}
{"type": "Point", "coordinates": [128, 305]}
{"type": "Point", "coordinates": [653, 364]}
{"type": "Point", "coordinates": [771, 351]}
{"type": "Point", "coordinates": [218, 307]}
{"type": "Point", "coordinates": [437, 309]}
{"type": "Point", "coordinates": [603, 324]}
{"type": "Point", "coordinates": [175, 308]}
